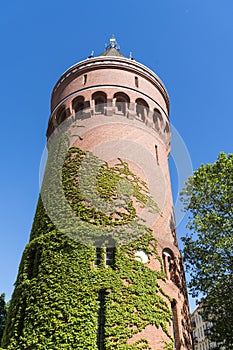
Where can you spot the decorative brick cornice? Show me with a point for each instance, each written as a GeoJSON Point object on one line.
{"type": "Point", "coordinates": [113, 63]}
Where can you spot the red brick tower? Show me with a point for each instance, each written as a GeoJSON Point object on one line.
{"type": "Point", "coordinates": [123, 109]}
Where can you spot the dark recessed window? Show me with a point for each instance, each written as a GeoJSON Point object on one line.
{"type": "Point", "coordinates": [157, 154]}
{"type": "Point", "coordinates": [78, 104]}
{"type": "Point", "coordinates": [97, 260]}
{"type": "Point", "coordinates": [175, 323]}
{"type": "Point", "coordinates": [84, 79]}
{"type": "Point", "coordinates": [109, 256]}
{"type": "Point", "coordinates": [122, 102]}
{"type": "Point", "coordinates": [157, 117]}
{"type": "Point", "coordinates": [168, 262]}
{"type": "Point", "coordinates": [142, 109]}
{"type": "Point", "coordinates": [101, 319]}
{"type": "Point", "coordinates": [105, 254]}
{"type": "Point", "coordinates": [61, 115]}
{"type": "Point", "coordinates": [100, 100]}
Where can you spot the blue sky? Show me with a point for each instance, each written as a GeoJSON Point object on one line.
{"type": "Point", "coordinates": [187, 43]}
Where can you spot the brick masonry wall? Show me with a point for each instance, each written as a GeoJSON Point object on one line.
{"type": "Point", "coordinates": [146, 150]}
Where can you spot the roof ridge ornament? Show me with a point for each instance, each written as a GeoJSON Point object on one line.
{"type": "Point", "coordinates": [113, 44]}
{"type": "Point", "coordinates": [92, 54]}
{"type": "Point", "coordinates": [131, 56]}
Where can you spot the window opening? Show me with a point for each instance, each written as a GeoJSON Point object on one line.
{"type": "Point", "coordinates": [99, 105]}
{"type": "Point", "coordinates": [84, 79]}
{"type": "Point", "coordinates": [142, 108]}
{"type": "Point", "coordinates": [78, 105]}
{"type": "Point", "coordinates": [109, 256]}
{"type": "Point", "coordinates": [156, 154]}
{"type": "Point", "coordinates": [122, 102]}
{"type": "Point", "coordinates": [101, 319]}
{"type": "Point", "coordinates": [97, 260]}
{"type": "Point", "coordinates": [100, 99]}
{"type": "Point", "coordinates": [175, 323]}
{"type": "Point", "coordinates": [61, 115]}
{"type": "Point", "coordinates": [120, 106]}
{"type": "Point", "coordinates": [157, 118]}
{"type": "Point", "coordinates": [168, 262]}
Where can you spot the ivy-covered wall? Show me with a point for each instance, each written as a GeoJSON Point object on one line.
{"type": "Point", "coordinates": [55, 303]}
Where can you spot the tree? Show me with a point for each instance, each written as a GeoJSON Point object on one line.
{"type": "Point", "coordinates": [2, 314]}
{"type": "Point", "coordinates": [208, 247]}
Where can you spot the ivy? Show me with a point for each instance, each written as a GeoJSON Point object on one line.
{"type": "Point", "coordinates": [55, 302]}
{"type": "Point", "coordinates": [3, 312]}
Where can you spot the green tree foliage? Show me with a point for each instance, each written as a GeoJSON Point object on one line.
{"type": "Point", "coordinates": [2, 314]}
{"type": "Point", "coordinates": [208, 249]}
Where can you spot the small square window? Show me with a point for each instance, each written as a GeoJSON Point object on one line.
{"type": "Point", "coordinates": [109, 256]}
{"type": "Point", "coordinates": [97, 257]}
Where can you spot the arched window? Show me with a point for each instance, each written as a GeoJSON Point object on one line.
{"type": "Point", "coordinates": [78, 104]}
{"type": "Point", "coordinates": [142, 108]}
{"type": "Point", "coordinates": [100, 99]}
{"type": "Point", "coordinates": [168, 262]}
{"type": "Point", "coordinates": [51, 127]}
{"type": "Point", "coordinates": [122, 102]}
{"type": "Point", "coordinates": [157, 118]}
{"type": "Point", "coordinates": [61, 115]}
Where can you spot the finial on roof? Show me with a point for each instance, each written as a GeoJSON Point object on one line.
{"type": "Point", "coordinates": [131, 56]}
{"type": "Point", "coordinates": [112, 49]}
{"type": "Point", "coordinates": [92, 54]}
{"type": "Point", "coordinates": [113, 44]}
{"type": "Point", "coordinates": [113, 41]}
